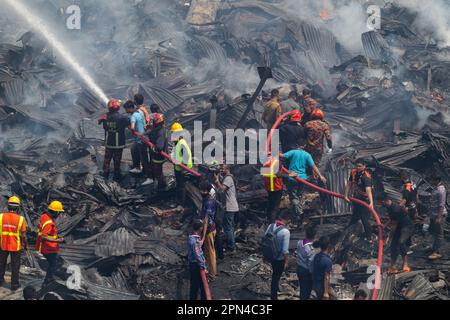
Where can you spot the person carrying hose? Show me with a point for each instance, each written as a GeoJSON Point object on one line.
{"type": "Point", "coordinates": [361, 182]}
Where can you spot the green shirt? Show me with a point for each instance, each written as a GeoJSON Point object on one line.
{"type": "Point", "coordinates": [182, 153]}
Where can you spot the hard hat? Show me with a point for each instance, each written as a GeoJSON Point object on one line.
{"type": "Point", "coordinates": [158, 119]}
{"type": "Point", "coordinates": [114, 104]}
{"type": "Point", "coordinates": [296, 116]}
{"type": "Point", "coordinates": [176, 127]}
{"type": "Point", "coordinates": [14, 201]}
{"type": "Point", "coordinates": [318, 114]}
{"type": "Point", "coordinates": [56, 206]}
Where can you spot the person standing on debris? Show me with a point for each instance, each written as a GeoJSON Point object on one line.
{"type": "Point", "coordinates": [300, 162]}
{"type": "Point", "coordinates": [197, 262]}
{"type": "Point", "coordinates": [225, 182]}
{"type": "Point", "coordinates": [438, 212]}
{"type": "Point", "coordinates": [139, 151]}
{"type": "Point", "coordinates": [157, 136]}
{"type": "Point", "coordinates": [361, 182]}
{"type": "Point", "coordinates": [291, 103]}
{"type": "Point", "coordinates": [292, 134]}
{"type": "Point", "coordinates": [139, 102]}
{"type": "Point", "coordinates": [317, 130]}
{"type": "Point", "coordinates": [276, 250]}
{"type": "Point", "coordinates": [13, 239]}
{"type": "Point", "coordinates": [305, 258]}
{"type": "Point", "coordinates": [114, 125]}
{"type": "Point", "coordinates": [273, 183]}
{"type": "Point", "coordinates": [402, 229]}
{"type": "Point", "coordinates": [47, 241]}
{"type": "Point", "coordinates": [183, 155]}
{"type": "Point", "coordinates": [309, 106]}
{"type": "Point", "coordinates": [410, 196]}
{"type": "Point", "coordinates": [322, 267]}
{"type": "Point", "coordinates": [208, 214]}
{"type": "Point", "coordinates": [272, 109]}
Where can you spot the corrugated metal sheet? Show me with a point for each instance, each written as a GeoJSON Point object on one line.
{"type": "Point", "coordinates": [375, 46]}
{"type": "Point", "coordinates": [118, 243]}
{"type": "Point", "coordinates": [322, 43]}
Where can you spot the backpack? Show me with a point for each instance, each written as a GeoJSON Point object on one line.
{"type": "Point", "coordinates": [269, 244]}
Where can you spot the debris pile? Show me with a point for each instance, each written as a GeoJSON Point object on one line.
{"type": "Point", "coordinates": [388, 104]}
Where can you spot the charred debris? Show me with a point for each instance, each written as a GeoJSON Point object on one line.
{"type": "Point", "coordinates": [388, 105]}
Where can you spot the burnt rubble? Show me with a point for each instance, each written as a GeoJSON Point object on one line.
{"type": "Point", "coordinates": [388, 105]}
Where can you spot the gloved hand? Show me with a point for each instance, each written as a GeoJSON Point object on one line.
{"type": "Point", "coordinates": [102, 118]}
{"type": "Point", "coordinates": [330, 151]}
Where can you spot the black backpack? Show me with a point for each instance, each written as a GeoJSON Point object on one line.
{"type": "Point", "coordinates": [269, 244]}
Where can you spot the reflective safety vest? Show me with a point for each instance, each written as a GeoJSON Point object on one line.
{"type": "Point", "coordinates": [271, 181]}
{"type": "Point", "coordinates": [182, 153]}
{"type": "Point", "coordinates": [12, 226]}
{"type": "Point", "coordinates": [47, 228]}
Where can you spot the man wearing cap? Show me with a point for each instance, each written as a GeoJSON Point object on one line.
{"type": "Point", "coordinates": [183, 155]}
{"type": "Point", "coordinates": [47, 239]}
{"type": "Point", "coordinates": [12, 239]}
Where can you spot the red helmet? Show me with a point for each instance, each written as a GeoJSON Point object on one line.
{"type": "Point", "coordinates": [296, 116]}
{"type": "Point", "coordinates": [158, 119]}
{"type": "Point", "coordinates": [114, 104]}
{"type": "Point", "coordinates": [318, 114]}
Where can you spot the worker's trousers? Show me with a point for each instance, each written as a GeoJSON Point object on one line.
{"type": "Point", "coordinates": [401, 241]}
{"type": "Point", "coordinates": [52, 259]}
{"type": "Point", "coordinates": [438, 233]}
{"type": "Point", "coordinates": [361, 213]}
{"type": "Point", "coordinates": [273, 205]}
{"type": "Point", "coordinates": [228, 228]}
{"type": "Point", "coordinates": [139, 154]}
{"type": "Point", "coordinates": [181, 188]}
{"type": "Point", "coordinates": [277, 272]}
{"type": "Point", "coordinates": [196, 282]}
{"type": "Point", "coordinates": [116, 156]}
{"type": "Point", "coordinates": [305, 282]}
{"type": "Point", "coordinates": [295, 191]}
{"type": "Point", "coordinates": [15, 266]}
{"type": "Point", "coordinates": [210, 253]}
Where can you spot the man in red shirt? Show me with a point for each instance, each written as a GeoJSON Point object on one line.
{"type": "Point", "coordinates": [47, 240]}
{"type": "Point", "coordinates": [12, 239]}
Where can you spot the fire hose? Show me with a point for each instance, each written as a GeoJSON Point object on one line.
{"type": "Point", "coordinates": [337, 195]}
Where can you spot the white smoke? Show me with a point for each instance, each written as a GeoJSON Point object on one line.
{"type": "Point", "coordinates": [432, 17]}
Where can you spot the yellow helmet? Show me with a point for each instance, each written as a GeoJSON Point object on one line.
{"type": "Point", "coordinates": [176, 127]}
{"type": "Point", "coordinates": [14, 201]}
{"type": "Point", "coordinates": [56, 206]}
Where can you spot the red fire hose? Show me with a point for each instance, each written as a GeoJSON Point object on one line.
{"type": "Point", "coordinates": [205, 285]}
{"type": "Point", "coordinates": [337, 195]}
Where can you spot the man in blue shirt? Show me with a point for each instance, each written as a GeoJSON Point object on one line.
{"type": "Point", "coordinates": [208, 215]}
{"type": "Point", "coordinates": [196, 261]}
{"type": "Point", "coordinates": [139, 150]}
{"type": "Point", "coordinates": [322, 267]}
{"type": "Point", "coordinates": [300, 162]}
{"type": "Point", "coordinates": [280, 263]}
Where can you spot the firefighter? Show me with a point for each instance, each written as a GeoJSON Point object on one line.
{"type": "Point", "coordinates": [317, 130]}
{"type": "Point", "coordinates": [410, 196]}
{"type": "Point", "coordinates": [13, 239]}
{"type": "Point", "coordinates": [47, 238]}
{"type": "Point", "coordinates": [157, 136]}
{"type": "Point", "coordinates": [309, 105]}
{"type": "Point", "coordinates": [292, 134]}
{"type": "Point", "coordinates": [361, 182]}
{"type": "Point", "coordinates": [114, 125]}
{"type": "Point", "coordinates": [183, 155]}
{"type": "Point", "coordinates": [272, 109]}
{"type": "Point", "coordinates": [274, 187]}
